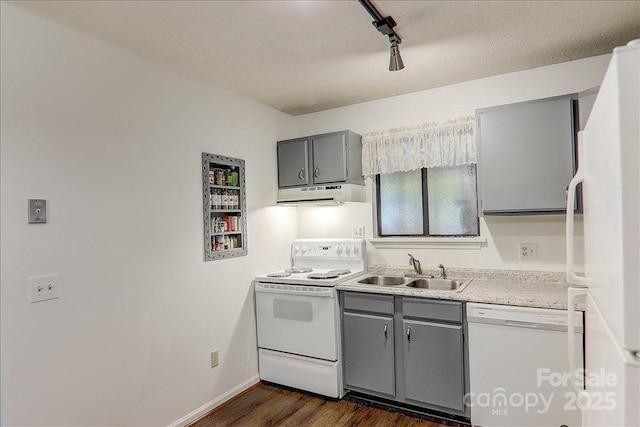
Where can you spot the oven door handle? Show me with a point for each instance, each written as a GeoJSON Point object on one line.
{"type": "Point", "coordinates": [309, 291]}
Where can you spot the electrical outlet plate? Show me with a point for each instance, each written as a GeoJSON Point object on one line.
{"type": "Point", "coordinates": [214, 358]}
{"type": "Point", "coordinates": [358, 231]}
{"type": "Point", "coordinates": [37, 211]}
{"type": "Point", "coordinates": [43, 288]}
{"type": "Point", "coordinates": [528, 251]}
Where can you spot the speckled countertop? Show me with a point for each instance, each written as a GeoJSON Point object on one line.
{"type": "Point", "coordinates": [508, 287]}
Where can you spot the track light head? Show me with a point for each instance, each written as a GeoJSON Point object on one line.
{"type": "Point", "coordinates": [395, 63]}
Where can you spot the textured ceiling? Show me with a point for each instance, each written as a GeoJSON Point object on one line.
{"type": "Point", "coordinates": [305, 56]}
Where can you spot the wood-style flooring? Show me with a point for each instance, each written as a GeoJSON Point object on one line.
{"type": "Point", "coordinates": [269, 405]}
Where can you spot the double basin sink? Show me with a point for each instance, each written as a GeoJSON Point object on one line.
{"type": "Point", "coordinates": [419, 282]}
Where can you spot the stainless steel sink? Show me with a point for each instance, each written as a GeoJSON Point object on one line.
{"type": "Point", "coordinates": [383, 280]}
{"type": "Point", "coordinates": [440, 284]}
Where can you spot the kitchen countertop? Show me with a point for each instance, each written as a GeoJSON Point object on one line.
{"type": "Point", "coordinates": [519, 288]}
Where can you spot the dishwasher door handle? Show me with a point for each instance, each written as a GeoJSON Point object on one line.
{"type": "Point", "coordinates": [522, 324]}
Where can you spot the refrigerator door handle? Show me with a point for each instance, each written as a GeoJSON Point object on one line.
{"type": "Point", "coordinates": [572, 277]}
{"type": "Point", "coordinates": [572, 294]}
{"type": "Point", "coordinates": [627, 356]}
{"type": "Point", "coordinates": [631, 357]}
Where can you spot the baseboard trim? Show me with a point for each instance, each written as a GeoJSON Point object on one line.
{"type": "Point", "coordinates": [218, 401]}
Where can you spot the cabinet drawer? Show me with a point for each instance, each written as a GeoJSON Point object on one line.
{"type": "Point", "coordinates": [446, 311]}
{"type": "Point", "coordinates": [368, 302]}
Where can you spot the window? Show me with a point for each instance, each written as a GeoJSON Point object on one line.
{"type": "Point", "coordinates": [428, 202]}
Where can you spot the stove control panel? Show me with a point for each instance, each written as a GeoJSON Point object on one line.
{"type": "Point", "coordinates": [316, 248]}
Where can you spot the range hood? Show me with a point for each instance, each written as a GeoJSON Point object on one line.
{"type": "Point", "coordinates": [321, 194]}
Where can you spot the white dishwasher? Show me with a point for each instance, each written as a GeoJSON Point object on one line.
{"type": "Point", "coordinates": [519, 367]}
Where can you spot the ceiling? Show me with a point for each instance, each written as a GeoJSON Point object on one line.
{"type": "Point", "coordinates": [306, 56]}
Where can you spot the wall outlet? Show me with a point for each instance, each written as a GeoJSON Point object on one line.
{"type": "Point", "coordinates": [43, 288]}
{"type": "Point", "coordinates": [358, 232]}
{"type": "Point", "coordinates": [37, 211]}
{"type": "Point", "coordinates": [214, 359]}
{"type": "Point", "coordinates": [528, 251]}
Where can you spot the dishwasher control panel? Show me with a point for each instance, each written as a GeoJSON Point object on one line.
{"type": "Point", "coordinates": [527, 317]}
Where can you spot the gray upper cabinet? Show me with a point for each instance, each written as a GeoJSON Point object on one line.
{"type": "Point", "coordinates": [330, 158]}
{"type": "Point", "coordinates": [293, 162]}
{"type": "Point", "coordinates": [526, 156]}
{"type": "Point", "coordinates": [334, 157]}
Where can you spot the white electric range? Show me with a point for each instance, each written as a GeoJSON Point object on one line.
{"type": "Point", "coordinates": [297, 315]}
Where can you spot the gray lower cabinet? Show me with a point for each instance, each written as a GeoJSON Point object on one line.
{"type": "Point", "coordinates": [405, 349]}
{"type": "Point", "coordinates": [433, 355]}
{"type": "Point", "coordinates": [368, 359]}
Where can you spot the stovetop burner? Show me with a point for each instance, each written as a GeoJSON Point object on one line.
{"type": "Point", "coordinates": [327, 275]}
{"type": "Point", "coordinates": [299, 270]}
{"type": "Point", "coordinates": [279, 274]}
{"type": "Point", "coordinates": [339, 272]}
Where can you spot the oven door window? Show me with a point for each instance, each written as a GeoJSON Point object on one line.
{"type": "Point", "coordinates": [300, 311]}
{"type": "Point", "coordinates": [298, 324]}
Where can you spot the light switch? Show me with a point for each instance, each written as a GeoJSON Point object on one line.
{"type": "Point", "coordinates": [37, 211]}
{"type": "Point", "coordinates": [43, 288]}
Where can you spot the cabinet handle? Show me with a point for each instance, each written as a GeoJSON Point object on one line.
{"type": "Point", "coordinates": [301, 173]}
{"type": "Point", "coordinates": [409, 333]}
{"type": "Point", "coordinates": [386, 335]}
{"type": "Point", "coordinates": [316, 173]}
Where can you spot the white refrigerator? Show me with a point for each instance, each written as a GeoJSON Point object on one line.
{"type": "Point", "coordinates": [609, 170]}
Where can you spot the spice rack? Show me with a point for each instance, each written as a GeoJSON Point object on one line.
{"type": "Point", "coordinates": [224, 207]}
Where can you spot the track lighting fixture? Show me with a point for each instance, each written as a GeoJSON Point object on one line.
{"type": "Point", "coordinates": [385, 26]}
{"type": "Point", "coordinates": [395, 63]}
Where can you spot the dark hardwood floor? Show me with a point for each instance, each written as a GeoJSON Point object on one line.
{"type": "Point", "coordinates": [269, 405]}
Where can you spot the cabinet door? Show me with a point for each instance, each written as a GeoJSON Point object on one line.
{"type": "Point", "coordinates": [368, 352]}
{"type": "Point", "coordinates": [434, 363]}
{"type": "Point", "coordinates": [330, 158]}
{"type": "Point", "coordinates": [293, 161]}
{"type": "Point", "coordinates": [525, 156]}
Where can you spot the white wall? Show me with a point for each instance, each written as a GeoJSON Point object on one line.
{"type": "Point", "coordinates": [502, 233]}
{"type": "Point", "coordinates": [114, 144]}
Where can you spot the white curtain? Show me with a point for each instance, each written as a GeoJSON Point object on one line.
{"type": "Point", "coordinates": [430, 145]}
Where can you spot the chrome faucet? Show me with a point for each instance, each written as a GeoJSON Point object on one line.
{"type": "Point", "coordinates": [444, 273]}
{"type": "Point", "coordinates": [415, 263]}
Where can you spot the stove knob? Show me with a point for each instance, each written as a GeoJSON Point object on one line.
{"type": "Point", "coordinates": [304, 249]}
{"type": "Point", "coordinates": [355, 250]}
{"type": "Point", "coordinates": [348, 250]}
{"type": "Point", "coordinates": [296, 249]}
{"type": "Point", "coordinates": [338, 249]}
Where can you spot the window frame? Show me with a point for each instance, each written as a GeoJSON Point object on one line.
{"type": "Point", "coordinates": [425, 213]}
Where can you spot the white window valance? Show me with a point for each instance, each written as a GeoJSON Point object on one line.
{"type": "Point", "coordinates": [430, 145]}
